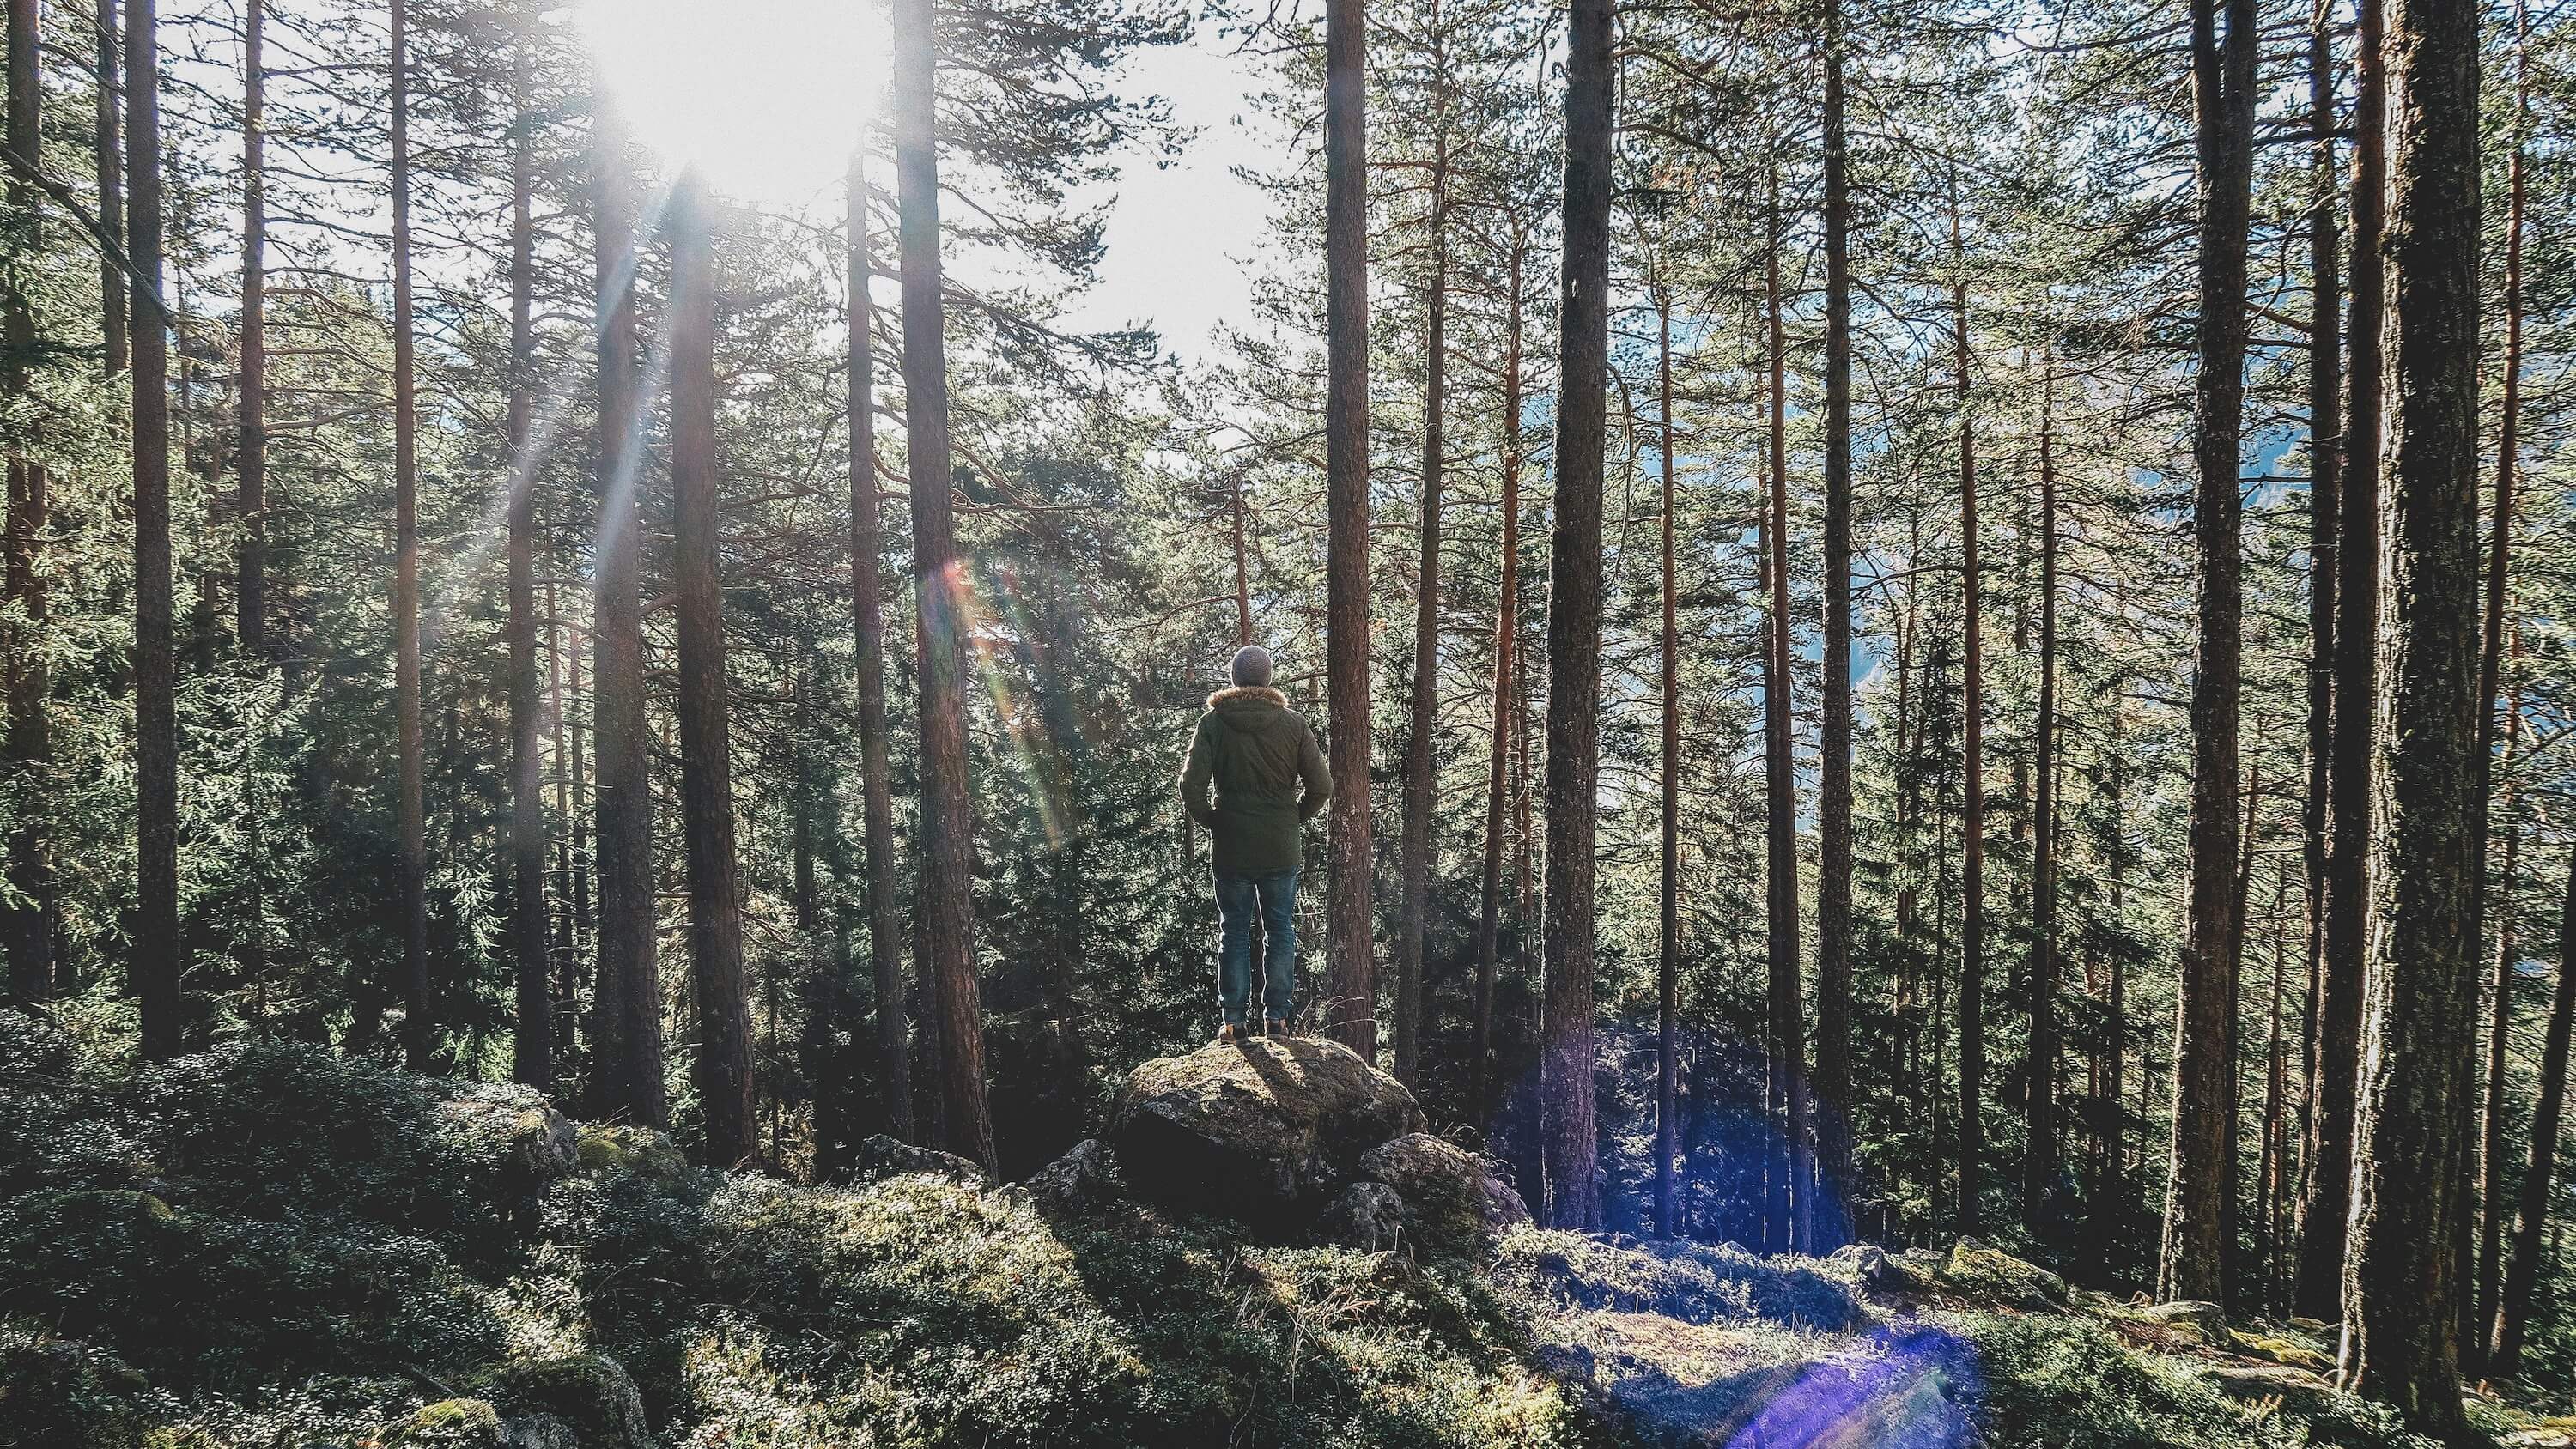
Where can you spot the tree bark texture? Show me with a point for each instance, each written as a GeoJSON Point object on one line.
{"type": "Point", "coordinates": [2512, 1322]}
{"type": "Point", "coordinates": [412, 891]}
{"type": "Point", "coordinates": [626, 1030]}
{"type": "Point", "coordinates": [2326, 1208]}
{"type": "Point", "coordinates": [532, 1054]}
{"type": "Point", "coordinates": [1833, 1079]}
{"type": "Point", "coordinates": [27, 923]}
{"type": "Point", "coordinates": [867, 605]}
{"type": "Point", "coordinates": [1350, 990]}
{"type": "Point", "coordinates": [1972, 790]}
{"type": "Point", "coordinates": [1668, 955]}
{"type": "Point", "coordinates": [156, 922]}
{"type": "Point", "coordinates": [1506, 710]}
{"type": "Point", "coordinates": [1574, 624]}
{"type": "Point", "coordinates": [250, 590]}
{"type": "Point", "coordinates": [1420, 786]}
{"type": "Point", "coordinates": [945, 921]}
{"type": "Point", "coordinates": [2400, 1275]}
{"type": "Point", "coordinates": [2191, 1262]}
{"type": "Point", "coordinates": [722, 1069]}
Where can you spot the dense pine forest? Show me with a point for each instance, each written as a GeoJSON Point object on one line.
{"type": "Point", "coordinates": [1933, 620]}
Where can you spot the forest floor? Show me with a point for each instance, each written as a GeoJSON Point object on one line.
{"type": "Point", "coordinates": [268, 1245]}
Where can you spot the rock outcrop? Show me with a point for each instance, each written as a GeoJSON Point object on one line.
{"type": "Point", "coordinates": [1084, 1180]}
{"type": "Point", "coordinates": [1451, 1200]}
{"type": "Point", "coordinates": [1264, 1131]}
{"type": "Point", "coordinates": [881, 1156]}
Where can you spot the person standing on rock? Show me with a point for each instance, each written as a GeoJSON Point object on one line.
{"type": "Point", "coordinates": [1269, 779]}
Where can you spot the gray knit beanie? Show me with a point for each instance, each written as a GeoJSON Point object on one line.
{"type": "Point", "coordinates": [1251, 666]}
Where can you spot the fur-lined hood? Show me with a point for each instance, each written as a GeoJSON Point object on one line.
{"type": "Point", "coordinates": [1247, 696]}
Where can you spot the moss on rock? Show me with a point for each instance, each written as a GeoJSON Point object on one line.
{"type": "Point", "coordinates": [449, 1424]}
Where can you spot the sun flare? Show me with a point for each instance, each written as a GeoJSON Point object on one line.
{"type": "Point", "coordinates": [767, 96]}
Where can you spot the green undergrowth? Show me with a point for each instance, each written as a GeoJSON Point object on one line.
{"type": "Point", "coordinates": [271, 1246]}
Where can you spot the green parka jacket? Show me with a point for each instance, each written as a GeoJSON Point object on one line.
{"type": "Point", "coordinates": [1258, 753]}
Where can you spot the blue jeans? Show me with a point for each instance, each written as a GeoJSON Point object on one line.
{"type": "Point", "coordinates": [1237, 899]}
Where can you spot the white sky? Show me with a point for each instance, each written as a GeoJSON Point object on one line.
{"type": "Point", "coordinates": [1180, 236]}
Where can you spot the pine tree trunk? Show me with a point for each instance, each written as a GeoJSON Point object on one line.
{"type": "Point", "coordinates": [156, 924]}
{"type": "Point", "coordinates": [2400, 1287]}
{"type": "Point", "coordinates": [1668, 955]}
{"type": "Point", "coordinates": [626, 1026]}
{"type": "Point", "coordinates": [2512, 1322]}
{"type": "Point", "coordinates": [2268, 1170]}
{"type": "Point", "coordinates": [419, 1032]}
{"type": "Point", "coordinates": [1419, 784]}
{"type": "Point", "coordinates": [2325, 457]}
{"type": "Point", "coordinates": [2191, 1263]}
{"type": "Point", "coordinates": [946, 919]}
{"type": "Point", "coordinates": [2042, 1164]}
{"type": "Point", "coordinates": [1792, 1199]}
{"type": "Point", "coordinates": [1350, 988]}
{"type": "Point", "coordinates": [2491, 1130]}
{"type": "Point", "coordinates": [1833, 1079]}
{"type": "Point", "coordinates": [867, 605]}
{"type": "Point", "coordinates": [250, 591]}
{"type": "Point", "coordinates": [532, 1053]}
{"type": "Point", "coordinates": [2490, 685]}
{"type": "Point", "coordinates": [26, 924]}
{"type": "Point", "coordinates": [109, 159]}
{"type": "Point", "coordinates": [1507, 606]}
{"type": "Point", "coordinates": [1574, 623]}
{"type": "Point", "coordinates": [722, 1069]}
{"type": "Point", "coordinates": [1972, 776]}
{"type": "Point", "coordinates": [2326, 1209]}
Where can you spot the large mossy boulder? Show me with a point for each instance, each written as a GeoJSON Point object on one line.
{"type": "Point", "coordinates": [588, 1394]}
{"type": "Point", "coordinates": [1993, 1278]}
{"type": "Point", "coordinates": [1260, 1131]}
{"type": "Point", "coordinates": [1452, 1201]}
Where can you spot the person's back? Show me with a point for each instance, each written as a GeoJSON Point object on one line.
{"type": "Point", "coordinates": [1267, 774]}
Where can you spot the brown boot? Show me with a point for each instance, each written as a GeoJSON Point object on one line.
{"type": "Point", "coordinates": [1229, 1033]}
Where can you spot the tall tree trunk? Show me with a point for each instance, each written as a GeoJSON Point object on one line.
{"type": "Point", "coordinates": [2400, 1286]}
{"type": "Point", "coordinates": [1833, 1080]}
{"type": "Point", "coordinates": [2112, 1218]}
{"type": "Point", "coordinates": [722, 1070]}
{"type": "Point", "coordinates": [2191, 1262]}
{"type": "Point", "coordinates": [946, 920]}
{"type": "Point", "coordinates": [626, 1030]}
{"type": "Point", "coordinates": [1668, 956]}
{"type": "Point", "coordinates": [1574, 623]}
{"type": "Point", "coordinates": [2042, 1165]}
{"type": "Point", "coordinates": [2512, 1321]}
{"type": "Point", "coordinates": [1792, 1200]}
{"type": "Point", "coordinates": [28, 925]}
{"type": "Point", "coordinates": [1420, 786]}
{"type": "Point", "coordinates": [110, 164]}
{"type": "Point", "coordinates": [156, 924]}
{"type": "Point", "coordinates": [2274, 1145]}
{"type": "Point", "coordinates": [2325, 457]}
{"type": "Point", "coordinates": [2491, 1129]}
{"type": "Point", "coordinates": [533, 1042]}
{"type": "Point", "coordinates": [867, 607]}
{"type": "Point", "coordinates": [2326, 1208]}
{"type": "Point", "coordinates": [250, 591]}
{"type": "Point", "coordinates": [1507, 606]}
{"type": "Point", "coordinates": [1972, 776]}
{"type": "Point", "coordinates": [1351, 969]}
{"type": "Point", "coordinates": [2490, 686]}
{"type": "Point", "coordinates": [419, 1036]}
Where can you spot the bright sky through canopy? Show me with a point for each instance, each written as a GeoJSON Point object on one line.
{"type": "Point", "coordinates": [766, 95]}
